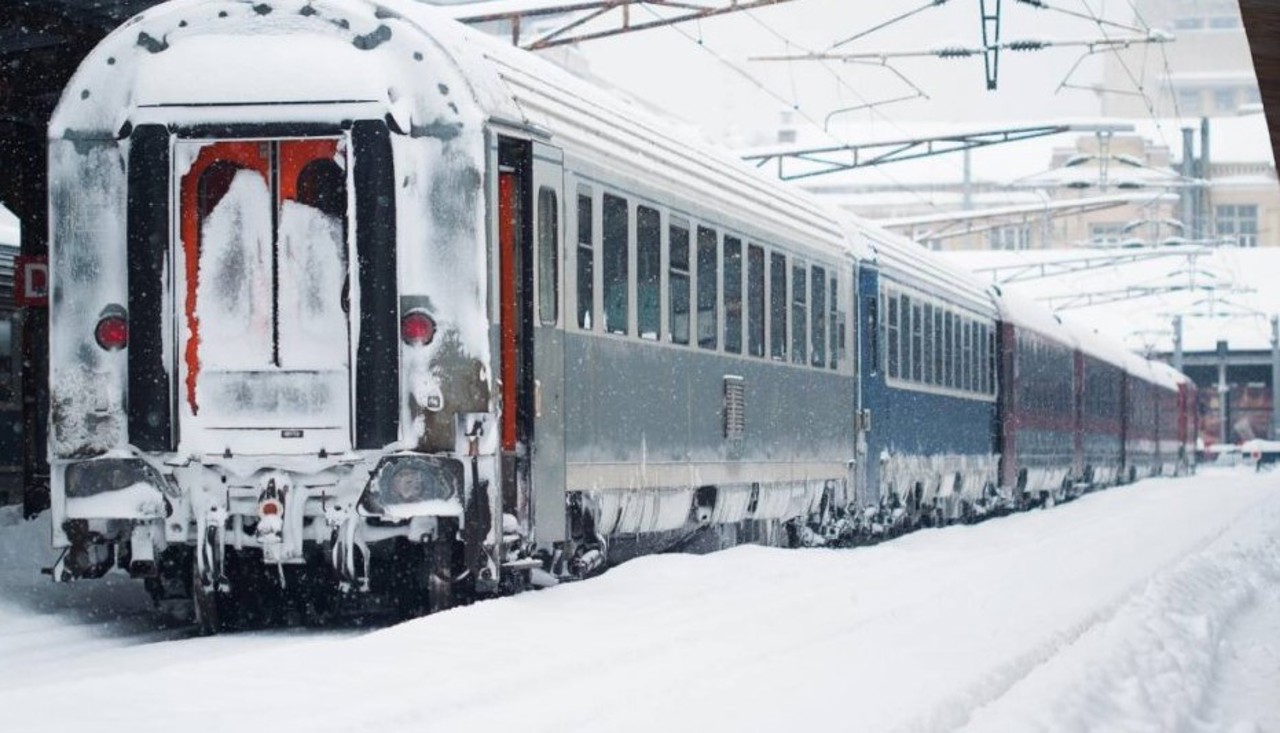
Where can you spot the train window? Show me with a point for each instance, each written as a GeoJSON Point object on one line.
{"type": "Point", "coordinates": [707, 266]}
{"type": "Point", "coordinates": [873, 331]}
{"type": "Point", "coordinates": [837, 327]}
{"type": "Point", "coordinates": [733, 295]}
{"type": "Point", "coordinates": [927, 354]}
{"type": "Point", "coordinates": [917, 335]}
{"type": "Point", "coordinates": [938, 349]}
{"type": "Point", "coordinates": [987, 374]}
{"type": "Point", "coordinates": [615, 226]}
{"type": "Point", "coordinates": [678, 256]}
{"type": "Point", "coordinates": [819, 292]}
{"type": "Point", "coordinates": [778, 307]}
{"type": "Point", "coordinates": [904, 337]}
{"type": "Point", "coordinates": [966, 372]}
{"type": "Point", "coordinates": [548, 255]}
{"type": "Point", "coordinates": [949, 349]}
{"type": "Point", "coordinates": [648, 273]}
{"type": "Point", "coordinates": [991, 362]}
{"type": "Point", "coordinates": [586, 261]}
{"type": "Point", "coordinates": [892, 335]}
{"type": "Point", "coordinates": [755, 300]}
{"type": "Point", "coordinates": [799, 314]}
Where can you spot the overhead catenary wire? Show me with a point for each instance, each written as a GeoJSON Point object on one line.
{"type": "Point", "coordinates": [793, 104]}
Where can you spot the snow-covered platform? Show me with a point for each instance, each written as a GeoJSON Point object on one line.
{"type": "Point", "coordinates": [1152, 607]}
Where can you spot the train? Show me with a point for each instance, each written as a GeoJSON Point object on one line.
{"type": "Point", "coordinates": [353, 306]}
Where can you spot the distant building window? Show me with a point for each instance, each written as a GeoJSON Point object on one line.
{"type": "Point", "coordinates": [1224, 21]}
{"type": "Point", "coordinates": [1251, 95]}
{"type": "Point", "coordinates": [1238, 222]}
{"type": "Point", "coordinates": [1189, 101]}
{"type": "Point", "coordinates": [1010, 238]}
{"type": "Point", "coordinates": [1103, 233]}
{"type": "Point", "coordinates": [1224, 99]}
{"type": "Point", "coordinates": [1187, 23]}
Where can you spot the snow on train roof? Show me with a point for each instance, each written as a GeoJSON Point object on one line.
{"type": "Point", "coordinates": [578, 114]}
{"type": "Point", "coordinates": [218, 57]}
{"type": "Point", "coordinates": [905, 261]}
{"type": "Point", "coordinates": [399, 57]}
{"type": "Point", "coordinates": [1026, 313]}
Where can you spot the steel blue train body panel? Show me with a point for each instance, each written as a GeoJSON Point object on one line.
{"type": "Point", "coordinates": [911, 422]}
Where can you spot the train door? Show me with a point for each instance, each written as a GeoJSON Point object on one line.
{"type": "Point", "coordinates": [530, 233]}
{"type": "Point", "coordinates": [875, 403]}
{"type": "Point", "coordinates": [262, 301]}
{"type": "Point", "coordinates": [548, 345]}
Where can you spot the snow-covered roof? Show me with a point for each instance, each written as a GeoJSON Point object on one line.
{"type": "Point", "coordinates": [1146, 324]}
{"type": "Point", "coordinates": [1026, 313]}
{"type": "Point", "coordinates": [902, 260]}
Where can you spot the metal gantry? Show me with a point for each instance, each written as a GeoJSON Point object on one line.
{"type": "Point", "coordinates": [821, 160]}
{"type": "Point", "coordinates": [565, 22]}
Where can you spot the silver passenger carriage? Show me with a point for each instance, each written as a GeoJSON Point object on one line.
{"type": "Point", "coordinates": [349, 298]}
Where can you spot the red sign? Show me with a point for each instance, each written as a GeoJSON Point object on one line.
{"type": "Point", "coordinates": [31, 280]}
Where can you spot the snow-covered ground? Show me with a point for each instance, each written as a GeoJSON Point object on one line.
{"type": "Point", "coordinates": [1154, 607]}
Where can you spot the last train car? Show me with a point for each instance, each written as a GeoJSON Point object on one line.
{"type": "Point", "coordinates": [351, 299]}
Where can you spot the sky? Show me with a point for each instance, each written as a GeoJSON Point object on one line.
{"type": "Point", "coordinates": [701, 71]}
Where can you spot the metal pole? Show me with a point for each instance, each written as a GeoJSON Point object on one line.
{"type": "Point", "coordinates": [1204, 217]}
{"type": "Point", "coordinates": [1224, 430]}
{"type": "Point", "coordinates": [1275, 377]}
{"type": "Point", "coordinates": [1187, 196]}
{"type": "Point", "coordinates": [1177, 343]}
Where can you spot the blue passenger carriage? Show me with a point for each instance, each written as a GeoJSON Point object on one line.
{"type": "Point", "coordinates": [928, 385]}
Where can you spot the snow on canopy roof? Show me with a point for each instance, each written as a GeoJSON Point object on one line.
{"type": "Point", "coordinates": [1241, 317]}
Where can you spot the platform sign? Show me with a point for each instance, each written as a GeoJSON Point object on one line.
{"type": "Point", "coordinates": [31, 281]}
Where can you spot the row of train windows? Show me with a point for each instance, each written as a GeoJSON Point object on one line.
{"type": "Point", "coordinates": [695, 298]}
{"type": "Point", "coordinates": [1045, 377]}
{"type": "Point", "coordinates": [935, 346]}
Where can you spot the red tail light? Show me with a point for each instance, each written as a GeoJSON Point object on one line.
{"type": "Point", "coordinates": [112, 333]}
{"type": "Point", "coordinates": [270, 508]}
{"type": "Point", "coordinates": [417, 328]}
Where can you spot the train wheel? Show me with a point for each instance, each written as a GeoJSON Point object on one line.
{"type": "Point", "coordinates": [214, 611]}
{"type": "Point", "coordinates": [440, 576]}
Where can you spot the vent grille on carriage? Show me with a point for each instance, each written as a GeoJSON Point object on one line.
{"type": "Point", "coordinates": [735, 408]}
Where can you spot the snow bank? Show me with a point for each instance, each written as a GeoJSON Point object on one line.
{"type": "Point", "coordinates": [1151, 663]}
{"type": "Point", "coordinates": [1090, 616]}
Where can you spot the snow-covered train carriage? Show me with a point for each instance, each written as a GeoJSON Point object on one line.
{"type": "Point", "coordinates": [351, 300]}
{"type": "Point", "coordinates": [348, 295]}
